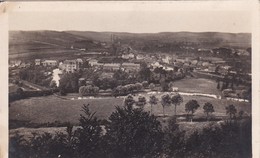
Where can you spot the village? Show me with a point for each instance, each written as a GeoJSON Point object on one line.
{"type": "Point", "coordinates": [104, 67]}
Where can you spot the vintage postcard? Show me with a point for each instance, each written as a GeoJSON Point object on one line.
{"type": "Point", "coordinates": [110, 79]}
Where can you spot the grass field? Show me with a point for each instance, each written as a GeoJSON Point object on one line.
{"type": "Point", "coordinates": [12, 88]}
{"type": "Point", "coordinates": [198, 85]}
{"type": "Point", "coordinates": [219, 106]}
{"type": "Point", "coordinates": [51, 109]}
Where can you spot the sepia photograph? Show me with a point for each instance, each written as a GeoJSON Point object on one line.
{"type": "Point", "coordinates": [130, 80]}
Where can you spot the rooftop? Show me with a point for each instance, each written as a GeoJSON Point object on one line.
{"type": "Point", "coordinates": [50, 61]}
{"type": "Point", "coordinates": [70, 61]}
{"type": "Point", "coordinates": [130, 64]}
{"type": "Point", "coordinates": [112, 64]}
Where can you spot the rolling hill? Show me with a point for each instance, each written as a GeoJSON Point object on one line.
{"type": "Point", "coordinates": [24, 44]}
{"type": "Point", "coordinates": [231, 39]}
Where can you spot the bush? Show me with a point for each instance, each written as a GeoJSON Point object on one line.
{"type": "Point", "coordinates": [20, 94]}
{"type": "Point", "coordinates": [152, 86]}
{"type": "Point", "coordinates": [127, 89]}
{"type": "Point", "coordinates": [145, 84]}
{"type": "Point", "coordinates": [88, 90]}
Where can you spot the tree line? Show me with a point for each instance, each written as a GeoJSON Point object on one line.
{"type": "Point", "coordinates": [176, 99]}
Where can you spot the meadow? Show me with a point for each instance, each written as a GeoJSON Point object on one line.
{"type": "Point", "coordinates": [51, 109]}
{"type": "Point", "coordinates": [198, 85]}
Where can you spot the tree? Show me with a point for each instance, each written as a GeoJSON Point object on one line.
{"type": "Point", "coordinates": [231, 111]}
{"type": "Point", "coordinates": [174, 139]}
{"type": "Point", "coordinates": [120, 75]}
{"type": "Point", "coordinates": [208, 108]}
{"type": "Point", "coordinates": [191, 106]}
{"type": "Point", "coordinates": [141, 101]}
{"type": "Point", "coordinates": [145, 84]}
{"type": "Point", "coordinates": [240, 114]}
{"type": "Point", "coordinates": [218, 85]}
{"type": "Point", "coordinates": [153, 101]}
{"type": "Point", "coordinates": [89, 136]}
{"type": "Point", "coordinates": [20, 92]}
{"type": "Point", "coordinates": [53, 84]}
{"type": "Point", "coordinates": [129, 100]}
{"type": "Point", "coordinates": [134, 133]}
{"type": "Point", "coordinates": [176, 101]}
{"type": "Point", "coordinates": [138, 86]}
{"type": "Point", "coordinates": [165, 86]}
{"type": "Point", "coordinates": [145, 73]}
{"type": "Point", "coordinates": [69, 82]}
{"type": "Point", "coordinates": [165, 101]}
{"type": "Point", "coordinates": [152, 86]}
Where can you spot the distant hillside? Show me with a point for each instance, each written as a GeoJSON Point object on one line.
{"type": "Point", "coordinates": [45, 43]}
{"type": "Point", "coordinates": [221, 39]}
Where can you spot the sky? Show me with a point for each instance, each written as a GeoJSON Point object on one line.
{"type": "Point", "coordinates": [132, 18]}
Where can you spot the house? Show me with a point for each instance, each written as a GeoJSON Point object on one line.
{"type": "Point", "coordinates": [24, 65]}
{"type": "Point", "coordinates": [175, 89]}
{"type": "Point", "coordinates": [167, 68]}
{"type": "Point", "coordinates": [166, 59]}
{"type": "Point", "coordinates": [180, 60]}
{"type": "Point", "coordinates": [14, 63]}
{"type": "Point", "coordinates": [82, 49]}
{"type": "Point", "coordinates": [92, 62]}
{"type": "Point", "coordinates": [139, 57]}
{"type": "Point", "coordinates": [218, 62]}
{"type": "Point", "coordinates": [111, 66]}
{"type": "Point", "coordinates": [194, 62]}
{"type": "Point", "coordinates": [103, 43]}
{"type": "Point", "coordinates": [128, 67]}
{"type": "Point", "coordinates": [61, 66]}
{"type": "Point", "coordinates": [205, 63]}
{"type": "Point", "coordinates": [156, 65]}
{"type": "Point", "coordinates": [128, 56]}
{"type": "Point", "coordinates": [98, 65]}
{"type": "Point", "coordinates": [224, 70]}
{"type": "Point", "coordinates": [50, 63]}
{"type": "Point", "coordinates": [37, 61]}
{"type": "Point", "coordinates": [79, 62]}
{"type": "Point", "coordinates": [212, 69]}
{"type": "Point", "coordinates": [72, 65]}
